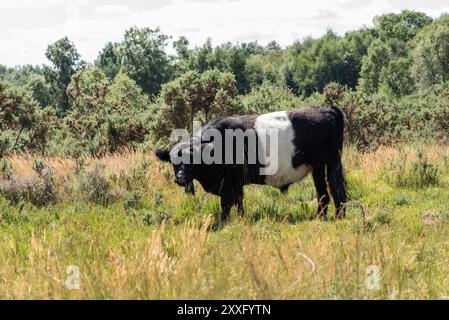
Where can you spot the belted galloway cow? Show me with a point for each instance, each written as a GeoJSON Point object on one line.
{"type": "Point", "coordinates": [276, 149]}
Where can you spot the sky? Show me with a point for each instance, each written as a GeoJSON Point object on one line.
{"type": "Point", "coordinates": [28, 26]}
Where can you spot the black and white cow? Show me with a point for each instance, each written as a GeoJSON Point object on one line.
{"type": "Point", "coordinates": [309, 140]}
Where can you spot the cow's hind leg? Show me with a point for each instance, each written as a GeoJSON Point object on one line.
{"type": "Point", "coordinates": [319, 179]}
{"type": "Point", "coordinates": [239, 204]}
{"type": "Point", "coordinates": [226, 205]}
{"type": "Point", "coordinates": [337, 184]}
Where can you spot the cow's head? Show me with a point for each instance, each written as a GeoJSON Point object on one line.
{"type": "Point", "coordinates": [182, 170]}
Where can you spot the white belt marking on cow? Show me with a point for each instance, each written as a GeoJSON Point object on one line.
{"type": "Point", "coordinates": [285, 174]}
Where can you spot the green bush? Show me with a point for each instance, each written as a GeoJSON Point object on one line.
{"type": "Point", "coordinates": [194, 97]}
{"type": "Point", "coordinates": [420, 173]}
{"type": "Point", "coordinates": [269, 97]}
{"type": "Point", "coordinates": [24, 126]}
{"type": "Point", "coordinates": [106, 116]}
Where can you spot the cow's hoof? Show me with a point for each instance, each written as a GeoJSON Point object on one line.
{"type": "Point", "coordinates": [322, 217]}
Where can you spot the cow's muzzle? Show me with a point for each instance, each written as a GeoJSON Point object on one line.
{"type": "Point", "coordinates": [189, 187]}
{"type": "Point", "coordinates": [180, 180]}
{"type": "Point", "coordinates": [186, 183]}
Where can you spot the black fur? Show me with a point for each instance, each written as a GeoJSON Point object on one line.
{"type": "Point", "coordinates": [163, 155]}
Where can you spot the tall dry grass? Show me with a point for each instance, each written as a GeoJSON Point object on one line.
{"type": "Point", "coordinates": [165, 247]}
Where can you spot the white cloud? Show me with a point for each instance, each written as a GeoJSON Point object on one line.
{"type": "Point", "coordinates": [90, 24]}
{"type": "Point", "coordinates": [112, 10]}
{"type": "Point", "coordinates": [29, 3]}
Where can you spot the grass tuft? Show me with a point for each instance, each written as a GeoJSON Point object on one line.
{"type": "Point", "coordinates": [133, 234]}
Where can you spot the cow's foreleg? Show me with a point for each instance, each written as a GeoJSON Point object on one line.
{"type": "Point", "coordinates": [230, 199]}
{"type": "Point", "coordinates": [226, 205]}
{"type": "Point", "coordinates": [319, 179]}
{"type": "Point", "coordinates": [239, 203]}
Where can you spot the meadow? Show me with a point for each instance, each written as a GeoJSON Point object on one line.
{"type": "Point", "coordinates": [131, 233]}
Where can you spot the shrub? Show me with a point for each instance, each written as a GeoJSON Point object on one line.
{"type": "Point", "coordinates": [40, 190]}
{"type": "Point", "coordinates": [419, 173]}
{"type": "Point", "coordinates": [5, 168]}
{"type": "Point", "coordinates": [367, 122]}
{"type": "Point", "coordinates": [23, 124]}
{"type": "Point", "coordinates": [269, 97]}
{"type": "Point", "coordinates": [106, 116]}
{"type": "Point", "coordinates": [382, 217]}
{"type": "Point", "coordinates": [194, 97]}
{"type": "Point", "coordinates": [333, 94]}
{"type": "Point", "coordinates": [133, 200]}
{"type": "Point", "coordinates": [423, 173]}
{"type": "Point", "coordinates": [380, 119]}
{"type": "Point", "coordinates": [95, 186]}
{"type": "Point", "coordinates": [136, 177]}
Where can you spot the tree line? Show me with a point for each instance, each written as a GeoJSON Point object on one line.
{"type": "Point", "coordinates": [390, 79]}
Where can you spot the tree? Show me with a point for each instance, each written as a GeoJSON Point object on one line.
{"type": "Point", "coordinates": [183, 55]}
{"type": "Point", "coordinates": [273, 46]}
{"type": "Point", "coordinates": [66, 61]}
{"type": "Point", "coordinates": [431, 55]}
{"type": "Point", "coordinates": [226, 57]}
{"type": "Point", "coordinates": [264, 67]}
{"type": "Point", "coordinates": [19, 75]}
{"type": "Point", "coordinates": [143, 58]}
{"type": "Point", "coordinates": [309, 66]}
{"type": "Point", "coordinates": [403, 26]}
{"type": "Point", "coordinates": [236, 63]}
{"type": "Point", "coordinates": [109, 59]}
{"type": "Point", "coordinates": [195, 96]}
{"type": "Point", "coordinates": [182, 48]}
{"type": "Point", "coordinates": [3, 71]}
{"type": "Point", "coordinates": [254, 70]}
{"type": "Point", "coordinates": [396, 78]}
{"type": "Point", "coordinates": [397, 30]}
{"type": "Point", "coordinates": [39, 88]}
{"type": "Point", "coordinates": [378, 57]}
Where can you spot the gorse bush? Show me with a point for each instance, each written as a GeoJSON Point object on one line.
{"type": "Point", "coordinates": [269, 97]}
{"type": "Point", "coordinates": [333, 94]}
{"type": "Point", "coordinates": [380, 119]}
{"type": "Point", "coordinates": [105, 115]}
{"type": "Point", "coordinates": [195, 97]}
{"type": "Point", "coordinates": [23, 124]}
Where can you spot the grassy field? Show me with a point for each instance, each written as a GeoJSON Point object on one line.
{"type": "Point", "coordinates": [131, 233]}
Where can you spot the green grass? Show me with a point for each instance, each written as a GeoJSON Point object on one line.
{"type": "Point", "coordinates": [157, 242]}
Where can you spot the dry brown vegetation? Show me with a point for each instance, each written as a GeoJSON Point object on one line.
{"type": "Point", "coordinates": [161, 245]}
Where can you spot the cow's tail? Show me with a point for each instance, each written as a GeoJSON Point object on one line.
{"type": "Point", "coordinates": [335, 174]}
{"type": "Point", "coordinates": [340, 127]}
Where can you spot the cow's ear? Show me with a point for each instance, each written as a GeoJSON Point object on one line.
{"type": "Point", "coordinates": [163, 154]}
